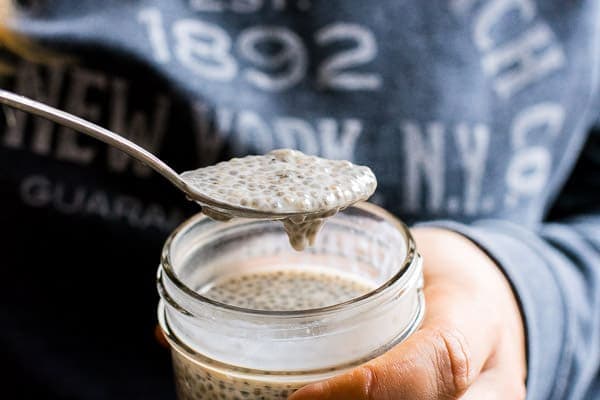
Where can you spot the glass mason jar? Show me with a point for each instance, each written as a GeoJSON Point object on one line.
{"type": "Point", "coordinates": [222, 351]}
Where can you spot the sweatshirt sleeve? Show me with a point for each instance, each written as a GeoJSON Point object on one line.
{"type": "Point", "coordinates": [555, 273]}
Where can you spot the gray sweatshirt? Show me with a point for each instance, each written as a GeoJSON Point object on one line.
{"type": "Point", "coordinates": [476, 115]}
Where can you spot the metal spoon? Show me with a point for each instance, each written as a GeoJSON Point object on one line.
{"type": "Point", "coordinates": [112, 139]}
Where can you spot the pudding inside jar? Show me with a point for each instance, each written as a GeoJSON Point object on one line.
{"type": "Point", "coordinates": [285, 288]}
{"type": "Point", "coordinates": [248, 317]}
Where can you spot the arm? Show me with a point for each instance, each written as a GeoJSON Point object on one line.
{"type": "Point", "coordinates": [471, 344]}
{"type": "Point", "coordinates": [555, 271]}
{"type": "Point", "coordinates": [476, 334]}
{"type": "Point", "coordinates": [556, 274]}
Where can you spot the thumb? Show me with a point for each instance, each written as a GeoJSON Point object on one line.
{"type": "Point", "coordinates": [431, 364]}
{"type": "Point", "coordinates": [466, 299]}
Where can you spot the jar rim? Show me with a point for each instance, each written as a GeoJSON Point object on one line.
{"type": "Point", "coordinates": [409, 259]}
{"type": "Point", "coordinates": [183, 349]}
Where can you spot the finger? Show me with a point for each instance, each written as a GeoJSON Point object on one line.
{"type": "Point", "coordinates": [159, 336]}
{"type": "Point", "coordinates": [431, 364]}
{"type": "Point", "coordinates": [454, 310]}
{"type": "Point", "coordinates": [495, 385]}
{"type": "Point", "coordinates": [490, 318]}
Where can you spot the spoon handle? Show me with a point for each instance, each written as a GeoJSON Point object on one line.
{"type": "Point", "coordinates": [81, 125]}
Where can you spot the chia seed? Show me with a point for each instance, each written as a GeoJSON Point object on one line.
{"type": "Point", "coordinates": [272, 290]}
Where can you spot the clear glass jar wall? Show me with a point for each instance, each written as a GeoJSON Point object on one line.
{"type": "Point", "coordinates": [225, 352]}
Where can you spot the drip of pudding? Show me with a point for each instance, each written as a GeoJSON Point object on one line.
{"type": "Point", "coordinates": [284, 184]}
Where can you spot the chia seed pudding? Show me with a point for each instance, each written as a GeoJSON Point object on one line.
{"type": "Point", "coordinates": [284, 181]}
{"type": "Point", "coordinates": [199, 382]}
{"type": "Point", "coordinates": [285, 290]}
{"type": "Point", "coordinates": [268, 290]}
{"type": "Point", "coordinates": [246, 316]}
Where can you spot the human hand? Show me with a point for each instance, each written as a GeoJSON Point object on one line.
{"type": "Point", "coordinates": [471, 345]}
